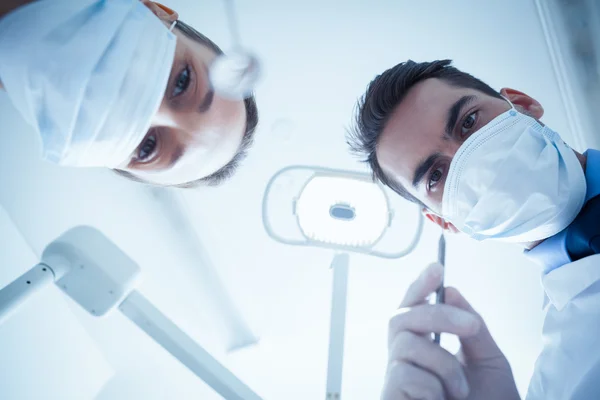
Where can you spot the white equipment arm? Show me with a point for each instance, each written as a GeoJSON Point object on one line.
{"type": "Point", "coordinates": [339, 265]}
{"type": "Point", "coordinates": [21, 289]}
{"type": "Point", "coordinates": [100, 277]}
{"type": "Point", "coordinates": [138, 309]}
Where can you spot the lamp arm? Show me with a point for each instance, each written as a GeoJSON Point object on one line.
{"type": "Point", "coordinates": [16, 293]}
{"type": "Point", "coordinates": [337, 327]}
{"type": "Point", "coordinates": [147, 317]}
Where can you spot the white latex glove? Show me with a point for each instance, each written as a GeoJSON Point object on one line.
{"type": "Point", "coordinates": [420, 369]}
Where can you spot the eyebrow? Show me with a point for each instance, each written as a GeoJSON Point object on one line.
{"type": "Point", "coordinates": [206, 102]}
{"type": "Point", "coordinates": [455, 111]}
{"type": "Point", "coordinates": [175, 156]}
{"type": "Point", "coordinates": [423, 167]}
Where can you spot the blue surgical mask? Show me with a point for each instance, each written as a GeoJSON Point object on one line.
{"type": "Point", "coordinates": [88, 75]}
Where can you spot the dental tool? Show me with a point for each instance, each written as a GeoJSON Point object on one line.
{"type": "Point", "coordinates": [234, 75]}
{"type": "Point", "coordinates": [439, 293]}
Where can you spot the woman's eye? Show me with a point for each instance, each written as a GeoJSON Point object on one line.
{"type": "Point", "coordinates": [468, 123]}
{"type": "Point", "coordinates": [182, 83]}
{"type": "Point", "coordinates": [435, 178]}
{"type": "Point", "coordinates": [147, 148]}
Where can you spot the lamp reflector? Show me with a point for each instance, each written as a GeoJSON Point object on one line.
{"type": "Point", "coordinates": [343, 211]}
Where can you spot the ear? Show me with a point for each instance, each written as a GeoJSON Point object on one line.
{"type": "Point", "coordinates": [528, 104]}
{"type": "Point", "coordinates": [164, 13]}
{"type": "Point", "coordinates": [439, 221]}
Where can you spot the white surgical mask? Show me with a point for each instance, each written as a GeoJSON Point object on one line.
{"type": "Point", "coordinates": [87, 74]}
{"type": "Point", "coordinates": [513, 180]}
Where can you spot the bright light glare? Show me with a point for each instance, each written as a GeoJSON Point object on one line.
{"type": "Point", "coordinates": [321, 193]}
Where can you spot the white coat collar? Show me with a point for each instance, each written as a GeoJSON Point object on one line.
{"type": "Point", "coordinates": [565, 283]}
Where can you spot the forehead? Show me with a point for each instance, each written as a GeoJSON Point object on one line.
{"type": "Point", "coordinates": [416, 127]}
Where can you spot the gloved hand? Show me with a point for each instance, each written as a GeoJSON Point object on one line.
{"type": "Point", "coordinates": [421, 369]}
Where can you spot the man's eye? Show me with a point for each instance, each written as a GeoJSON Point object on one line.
{"type": "Point", "coordinates": [182, 83]}
{"type": "Point", "coordinates": [147, 148]}
{"type": "Point", "coordinates": [434, 178]}
{"type": "Point", "coordinates": [468, 123]}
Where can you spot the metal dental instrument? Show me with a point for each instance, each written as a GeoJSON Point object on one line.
{"type": "Point", "coordinates": [439, 293]}
{"type": "Point", "coordinates": [234, 75]}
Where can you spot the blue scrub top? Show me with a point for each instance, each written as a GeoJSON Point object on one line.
{"type": "Point", "coordinates": [552, 252]}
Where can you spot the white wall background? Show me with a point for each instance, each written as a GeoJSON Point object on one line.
{"type": "Point", "coordinates": [318, 57]}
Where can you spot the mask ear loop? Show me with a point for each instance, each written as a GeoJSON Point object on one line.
{"type": "Point", "coordinates": [512, 106]}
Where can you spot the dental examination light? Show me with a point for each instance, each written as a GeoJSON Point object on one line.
{"type": "Point", "coordinates": [340, 210]}
{"type": "Point", "coordinates": [234, 75]}
{"type": "Point", "coordinates": [97, 275]}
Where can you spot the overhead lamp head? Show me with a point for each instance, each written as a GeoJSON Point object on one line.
{"type": "Point", "coordinates": [342, 210]}
{"type": "Point", "coordinates": [336, 209]}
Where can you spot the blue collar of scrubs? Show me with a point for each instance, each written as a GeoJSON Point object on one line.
{"type": "Point", "coordinates": [552, 252]}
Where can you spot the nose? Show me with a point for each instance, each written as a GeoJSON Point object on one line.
{"type": "Point", "coordinates": [164, 116]}
{"type": "Point", "coordinates": [451, 147]}
{"type": "Point", "coordinates": [185, 119]}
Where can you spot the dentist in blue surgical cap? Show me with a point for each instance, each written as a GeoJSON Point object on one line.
{"type": "Point", "coordinates": [122, 84]}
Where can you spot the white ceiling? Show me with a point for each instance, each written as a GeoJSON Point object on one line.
{"type": "Point", "coordinates": [318, 57]}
